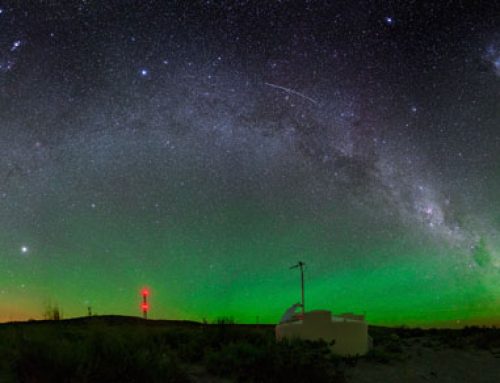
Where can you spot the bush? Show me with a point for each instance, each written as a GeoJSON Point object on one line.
{"type": "Point", "coordinates": [294, 361]}
{"type": "Point", "coordinates": [98, 354]}
{"type": "Point", "coordinates": [377, 355]}
{"type": "Point", "coordinates": [36, 361]}
{"type": "Point", "coordinates": [387, 350]}
{"type": "Point", "coordinates": [234, 359]}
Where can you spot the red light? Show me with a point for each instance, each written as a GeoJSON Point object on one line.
{"type": "Point", "coordinates": [144, 304]}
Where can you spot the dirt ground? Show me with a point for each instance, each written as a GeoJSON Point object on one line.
{"type": "Point", "coordinates": [425, 360]}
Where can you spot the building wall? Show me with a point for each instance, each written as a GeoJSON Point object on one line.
{"type": "Point", "coordinates": [350, 336]}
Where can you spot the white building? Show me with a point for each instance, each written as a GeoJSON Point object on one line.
{"type": "Point", "coordinates": [348, 331]}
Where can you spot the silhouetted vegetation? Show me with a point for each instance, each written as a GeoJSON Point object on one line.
{"type": "Point", "coordinates": [124, 349]}
{"type": "Point", "coordinates": [389, 348]}
{"type": "Point", "coordinates": [390, 343]}
{"type": "Point", "coordinates": [52, 312]}
{"type": "Point", "coordinates": [98, 349]}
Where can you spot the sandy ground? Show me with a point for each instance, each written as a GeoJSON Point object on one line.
{"type": "Point", "coordinates": [422, 360]}
{"type": "Point", "coordinates": [423, 363]}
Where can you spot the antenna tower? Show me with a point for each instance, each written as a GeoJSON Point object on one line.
{"type": "Point", "coordinates": [301, 265]}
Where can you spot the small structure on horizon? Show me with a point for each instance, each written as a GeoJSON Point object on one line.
{"type": "Point", "coordinates": [347, 334]}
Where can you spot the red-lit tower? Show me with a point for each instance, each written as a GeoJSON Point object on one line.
{"type": "Point", "coordinates": [144, 304]}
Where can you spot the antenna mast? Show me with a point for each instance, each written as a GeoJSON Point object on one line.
{"type": "Point", "coordinates": [301, 265]}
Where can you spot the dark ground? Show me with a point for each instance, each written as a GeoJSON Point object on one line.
{"type": "Point", "coordinates": [127, 349]}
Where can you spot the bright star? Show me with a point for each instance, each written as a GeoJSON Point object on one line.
{"type": "Point", "coordinates": [389, 20]}
{"type": "Point", "coordinates": [144, 72]}
{"type": "Point", "coordinates": [15, 45]}
{"type": "Point", "coordinates": [24, 249]}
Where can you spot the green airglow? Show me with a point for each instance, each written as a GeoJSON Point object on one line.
{"type": "Point", "coordinates": [236, 264]}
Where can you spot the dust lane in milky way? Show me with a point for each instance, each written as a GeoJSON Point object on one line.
{"type": "Point", "coordinates": [202, 149]}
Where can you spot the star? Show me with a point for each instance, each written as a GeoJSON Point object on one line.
{"type": "Point", "coordinates": [496, 63]}
{"type": "Point", "coordinates": [389, 20]}
{"type": "Point", "coordinates": [7, 66]}
{"type": "Point", "coordinates": [15, 45]}
{"type": "Point", "coordinates": [24, 249]}
{"type": "Point", "coordinates": [144, 72]}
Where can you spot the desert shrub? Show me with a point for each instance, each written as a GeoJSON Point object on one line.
{"type": "Point", "coordinates": [306, 361]}
{"type": "Point", "coordinates": [52, 312]}
{"type": "Point", "coordinates": [416, 332]}
{"type": "Point", "coordinates": [132, 357]}
{"type": "Point", "coordinates": [386, 350]}
{"type": "Point", "coordinates": [236, 359]}
{"type": "Point", "coordinates": [394, 345]}
{"type": "Point", "coordinates": [41, 361]}
{"type": "Point", "coordinates": [378, 355]}
{"type": "Point", "coordinates": [136, 365]}
{"type": "Point", "coordinates": [224, 321]}
{"type": "Point", "coordinates": [471, 330]}
{"type": "Point", "coordinates": [487, 339]}
{"type": "Point", "coordinates": [223, 331]}
{"type": "Point", "coordinates": [457, 341]}
{"type": "Point", "coordinates": [290, 361]}
{"type": "Point", "coordinates": [187, 343]}
{"type": "Point", "coordinates": [97, 354]}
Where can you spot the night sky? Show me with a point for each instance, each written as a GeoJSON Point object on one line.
{"type": "Point", "coordinates": [202, 148]}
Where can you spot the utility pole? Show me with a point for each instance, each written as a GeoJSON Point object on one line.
{"type": "Point", "coordinates": [301, 265]}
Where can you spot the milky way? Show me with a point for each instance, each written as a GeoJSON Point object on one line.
{"type": "Point", "coordinates": [202, 149]}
